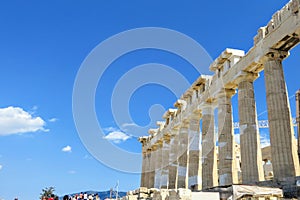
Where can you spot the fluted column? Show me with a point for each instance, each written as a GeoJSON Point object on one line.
{"type": "Point", "coordinates": [283, 144]}
{"type": "Point", "coordinates": [165, 164]}
{"type": "Point", "coordinates": [251, 158]}
{"type": "Point", "coordinates": [158, 164]}
{"type": "Point", "coordinates": [173, 160]}
{"type": "Point", "coordinates": [183, 157]}
{"type": "Point", "coordinates": [227, 166]}
{"type": "Point", "coordinates": [144, 172]}
{"type": "Point", "coordinates": [195, 168]}
{"type": "Point", "coordinates": [147, 169]}
{"type": "Point", "coordinates": [209, 156]}
{"type": "Point", "coordinates": [152, 160]}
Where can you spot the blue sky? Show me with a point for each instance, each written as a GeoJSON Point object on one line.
{"type": "Point", "coordinates": [43, 44]}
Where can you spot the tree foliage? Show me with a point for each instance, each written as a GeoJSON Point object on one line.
{"type": "Point", "coordinates": [47, 192]}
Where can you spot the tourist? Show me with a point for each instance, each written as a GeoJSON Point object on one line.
{"type": "Point", "coordinates": [85, 196]}
{"type": "Point", "coordinates": [66, 197]}
{"type": "Point", "coordinates": [52, 197]}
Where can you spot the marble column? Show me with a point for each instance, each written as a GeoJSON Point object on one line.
{"type": "Point", "coordinates": [147, 169]}
{"type": "Point", "coordinates": [227, 163]}
{"type": "Point", "coordinates": [165, 164]}
{"type": "Point", "coordinates": [152, 160]}
{"type": "Point", "coordinates": [283, 144]}
{"type": "Point", "coordinates": [143, 141]}
{"type": "Point", "coordinates": [195, 167]}
{"type": "Point", "coordinates": [182, 155]}
{"type": "Point", "coordinates": [158, 164]}
{"type": "Point", "coordinates": [144, 172]}
{"type": "Point", "coordinates": [173, 160]}
{"type": "Point", "coordinates": [209, 156]}
{"type": "Point", "coordinates": [251, 158]}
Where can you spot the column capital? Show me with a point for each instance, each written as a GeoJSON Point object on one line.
{"type": "Point", "coordinates": [159, 143]}
{"type": "Point", "coordinates": [208, 108]}
{"type": "Point", "coordinates": [143, 140]}
{"type": "Point", "coordinates": [245, 76]}
{"type": "Point", "coordinates": [194, 115]}
{"type": "Point", "coordinates": [166, 139]}
{"type": "Point", "coordinates": [160, 124]}
{"type": "Point", "coordinates": [275, 54]}
{"type": "Point", "coordinates": [152, 131]}
{"type": "Point", "coordinates": [224, 92]}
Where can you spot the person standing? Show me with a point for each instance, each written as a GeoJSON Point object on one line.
{"type": "Point", "coordinates": [85, 196]}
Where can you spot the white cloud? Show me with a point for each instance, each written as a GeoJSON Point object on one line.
{"type": "Point", "coordinates": [264, 142]}
{"type": "Point", "coordinates": [67, 149]}
{"type": "Point", "coordinates": [53, 119]}
{"type": "Point", "coordinates": [71, 172]}
{"type": "Point", "coordinates": [110, 129]}
{"type": "Point", "coordinates": [264, 139]}
{"type": "Point", "coordinates": [117, 137]}
{"type": "Point", "coordinates": [237, 138]}
{"type": "Point", "coordinates": [129, 125]}
{"type": "Point", "coordinates": [87, 157]}
{"type": "Point", "coordinates": [14, 120]}
{"type": "Point", "coordinates": [1, 167]}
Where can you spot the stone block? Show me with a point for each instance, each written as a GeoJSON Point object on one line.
{"type": "Point", "coordinates": [164, 193]}
{"type": "Point", "coordinates": [130, 193]}
{"type": "Point", "coordinates": [143, 190]}
{"type": "Point", "coordinates": [152, 190]}
{"type": "Point", "coordinates": [156, 195]}
{"type": "Point", "coordinates": [184, 194]}
{"type": "Point", "coordinates": [205, 195]}
{"type": "Point", "coordinates": [172, 195]}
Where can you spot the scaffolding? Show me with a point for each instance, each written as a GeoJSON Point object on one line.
{"type": "Point", "coordinates": [298, 119]}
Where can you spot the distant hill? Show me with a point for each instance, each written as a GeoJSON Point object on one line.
{"type": "Point", "coordinates": [103, 194]}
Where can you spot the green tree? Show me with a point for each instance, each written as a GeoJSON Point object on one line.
{"type": "Point", "coordinates": [47, 192]}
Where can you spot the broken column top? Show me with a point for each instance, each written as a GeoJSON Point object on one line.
{"type": "Point", "coordinates": [169, 112]}
{"type": "Point", "coordinates": [143, 139]}
{"type": "Point", "coordinates": [201, 80]}
{"type": "Point", "coordinates": [160, 124]}
{"type": "Point", "coordinates": [227, 54]}
{"type": "Point", "coordinates": [152, 131]}
{"type": "Point", "coordinates": [180, 103]}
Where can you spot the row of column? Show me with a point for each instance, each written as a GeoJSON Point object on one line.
{"type": "Point", "coordinates": [181, 162]}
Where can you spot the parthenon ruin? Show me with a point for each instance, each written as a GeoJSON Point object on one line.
{"type": "Point", "coordinates": [178, 155]}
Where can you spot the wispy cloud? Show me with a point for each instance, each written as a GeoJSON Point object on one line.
{"type": "Point", "coordinates": [67, 149]}
{"type": "Point", "coordinates": [1, 167]}
{"type": "Point", "coordinates": [264, 139]}
{"type": "Point", "coordinates": [129, 125]}
{"type": "Point", "coordinates": [71, 172]}
{"type": "Point", "coordinates": [110, 129]}
{"type": "Point", "coordinates": [14, 120]}
{"type": "Point", "coordinates": [117, 137]}
{"type": "Point", "coordinates": [237, 138]}
{"type": "Point", "coordinates": [53, 119]}
{"type": "Point", "coordinates": [87, 157]}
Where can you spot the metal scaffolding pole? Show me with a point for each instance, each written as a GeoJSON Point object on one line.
{"type": "Point", "coordinates": [298, 118]}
